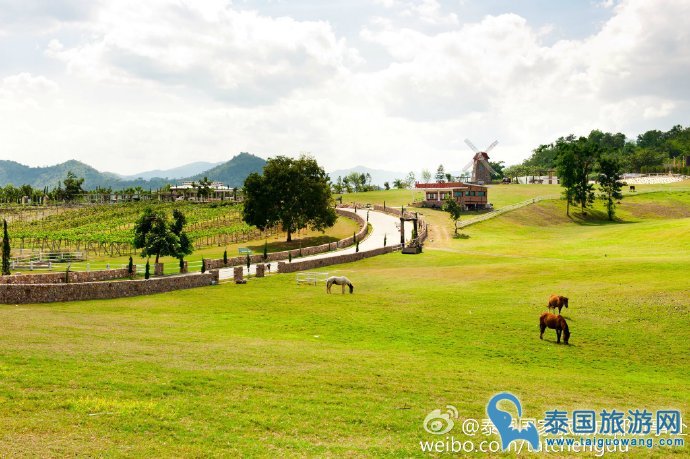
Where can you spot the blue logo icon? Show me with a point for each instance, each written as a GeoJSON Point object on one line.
{"type": "Point", "coordinates": [502, 420]}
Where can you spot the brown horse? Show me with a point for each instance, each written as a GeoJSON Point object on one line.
{"type": "Point", "coordinates": [556, 301]}
{"type": "Point", "coordinates": [556, 322]}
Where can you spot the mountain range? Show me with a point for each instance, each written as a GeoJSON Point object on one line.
{"type": "Point", "coordinates": [186, 170]}
{"type": "Point", "coordinates": [231, 173]}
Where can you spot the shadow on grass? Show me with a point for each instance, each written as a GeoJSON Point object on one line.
{"type": "Point", "coordinates": [592, 217]}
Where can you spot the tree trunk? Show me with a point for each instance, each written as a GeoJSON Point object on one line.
{"type": "Point", "coordinates": [289, 236]}
{"type": "Point", "coordinates": [157, 257]}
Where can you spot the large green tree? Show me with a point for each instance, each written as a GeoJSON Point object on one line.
{"type": "Point", "coordinates": [72, 186]}
{"type": "Point", "coordinates": [157, 236]}
{"type": "Point", "coordinates": [610, 184]}
{"type": "Point", "coordinates": [295, 193]}
{"type": "Point", "coordinates": [576, 159]}
{"type": "Point", "coordinates": [177, 227]}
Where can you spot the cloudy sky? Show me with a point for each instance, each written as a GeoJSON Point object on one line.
{"type": "Point", "coordinates": [130, 85]}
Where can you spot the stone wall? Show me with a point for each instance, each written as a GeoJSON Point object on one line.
{"type": "Point", "coordinates": [305, 251]}
{"type": "Point", "coordinates": [48, 293]}
{"type": "Point", "coordinates": [334, 260]}
{"type": "Point", "coordinates": [59, 277]}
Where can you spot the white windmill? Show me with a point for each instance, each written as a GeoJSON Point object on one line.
{"type": "Point", "coordinates": [481, 169]}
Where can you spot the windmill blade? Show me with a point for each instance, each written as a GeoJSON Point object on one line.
{"type": "Point", "coordinates": [491, 147]}
{"type": "Point", "coordinates": [468, 166]}
{"type": "Point", "coordinates": [488, 166]}
{"type": "Point", "coordinates": [471, 145]}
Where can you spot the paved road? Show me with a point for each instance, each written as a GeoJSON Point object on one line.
{"type": "Point", "coordinates": [382, 225]}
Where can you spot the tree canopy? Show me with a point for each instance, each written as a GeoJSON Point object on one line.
{"type": "Point", "coordinates": [651, 151]}
{"type": "Point", "coordinates": [156, 235]}
{"type": "Point", "coordinates": [294, 193]}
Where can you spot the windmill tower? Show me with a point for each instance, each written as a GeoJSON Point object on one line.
{"type": "Point", "coordinates": [481, 169]}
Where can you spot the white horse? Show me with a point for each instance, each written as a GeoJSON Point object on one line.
{"type": "Point", "coordinates": [339, 280]}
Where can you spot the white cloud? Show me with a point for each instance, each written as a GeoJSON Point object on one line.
{"type": "Point", "coordinates": [157, 83]}
{"type": "Point", "coordinates": [238, 56]}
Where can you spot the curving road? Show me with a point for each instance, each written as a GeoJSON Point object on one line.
{"type": "Point", "coordinates": [381, 225]}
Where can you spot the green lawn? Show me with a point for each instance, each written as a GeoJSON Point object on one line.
{"type": "Point", "coordinates": [270, 369]}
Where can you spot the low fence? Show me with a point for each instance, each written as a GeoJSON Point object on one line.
{"type": "Point", "coordinates": [295, 253]}
{"type": "Point", "coordinates": [49, 293]}
{"type": "Point", "coordinates": [66, 277]}
{"type": "Point", "coordinates": [334, 260]}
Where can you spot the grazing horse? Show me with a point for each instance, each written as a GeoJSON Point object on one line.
{"type": "Point", "coordinates": [339, 280]}
{"type": "Point", "coordinates": [556, 301]}
{"type": "Point", "coordinates": [556, 322]}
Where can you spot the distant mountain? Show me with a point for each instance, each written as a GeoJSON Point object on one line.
{"type": "Point", "coordinates": [50, 176]}
{"type": "Point", "coordinates": [378, 176]}
{"type": "Point", "coordinates": [231, 173]}
{"type": "Point", "coordinates": [186, 170]}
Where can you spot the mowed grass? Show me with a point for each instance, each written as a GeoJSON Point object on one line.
{"type": "Point", "coordinates": [272, 369]}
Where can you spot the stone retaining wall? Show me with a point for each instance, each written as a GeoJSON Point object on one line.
{"type": "Point", "coordinates": [48, 293]}
{"type": "Point", "coordinates": [305, 251]}
{"type": "Point", "coordinates": [59, 277]}
{"type": "Point", "coordinates": [334, 260]}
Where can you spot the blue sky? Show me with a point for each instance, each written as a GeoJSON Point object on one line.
{"type": "Point", "coordinates": [395, 84]}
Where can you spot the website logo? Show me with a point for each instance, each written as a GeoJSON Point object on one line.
{"type": "Point", "coordinates": [503, 421]}
{"type": "Point", "coordinates": [439, 423]}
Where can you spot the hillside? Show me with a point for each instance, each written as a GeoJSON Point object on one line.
{"type": "Point", "coordinates": [39, 177]}
{"type": "Point", "coordinates": [232, 173]}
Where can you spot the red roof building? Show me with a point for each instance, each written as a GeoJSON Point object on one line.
{"type": "Point", "coordinates": [470, 196]}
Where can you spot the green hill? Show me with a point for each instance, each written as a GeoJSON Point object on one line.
{"type": "Point", "coordinates": [232, 173]}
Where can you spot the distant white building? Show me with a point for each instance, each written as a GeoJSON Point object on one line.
{"type": "Point", "coordinates": [189, 191]}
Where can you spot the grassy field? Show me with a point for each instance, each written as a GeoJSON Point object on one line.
{"type": "Point", "coordinates": [270, 369]}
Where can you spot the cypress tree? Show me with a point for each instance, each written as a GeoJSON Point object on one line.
{"type": "Point", "coordinates": [249, 261]}
{"type": "Point", "coordinates": [130, 266]}
{"type": "Point", "coordinates": [147, 272]}
{"type": "Point", "coordinates": [225, 257]}
{"type": "Point", "coordinates": [265, 250]}
{"type": "Point", "coordinates": [5, 250]}
{"type": "Point", "coordinates": [203, 265]}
